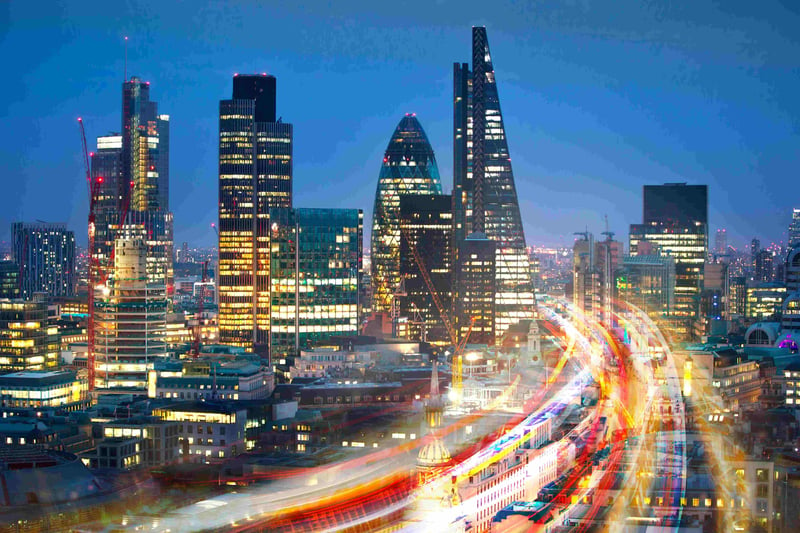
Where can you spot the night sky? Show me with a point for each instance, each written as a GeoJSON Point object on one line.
{"type": "Point", "coordinates": [599, 98]}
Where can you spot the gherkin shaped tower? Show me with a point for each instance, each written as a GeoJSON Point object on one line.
{"type": "Point", "coordinates": [409, 167]}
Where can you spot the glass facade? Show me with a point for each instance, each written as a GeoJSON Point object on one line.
{"type": "Point", "coordinates": [409, 167]}
{"type": "Point", "coordinates": [484, 192]}
{"type": "Point", "coordinates": [764, 301]}
{"type": "Point", "coordinates": [144, 183]}
{"type": "Point", "coordinates": [428, 222]}
{"type": "Point", "coordinates": [44, 389]}
{"type": "Point", "coordinates": [107, 172]}
{"type": "Point", "coordinates": [475, 280]}
{"type": "Point", "coordinates": [676, 224]}
{"type": "Point", "coordinates": [315, 270]}
{"type": "Point", "coordinates": [794, 227]}
{"type": "Point", "coordinates": [255, 175]}
{"type": "Point", "coordinates": [45, 255]}
{"type": "Point", "coordinates": [9, 279]}
{"type": "Point", "coordinates": [648, 282]}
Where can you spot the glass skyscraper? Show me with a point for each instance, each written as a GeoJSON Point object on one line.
{"type": "Point", "coordinates": [315, 270]}
{"type": "Point", "coordinates": [484, 194]}
{"type": "Point", "coordinates": [255, 175]}
{"type": "Point", "coordinates": [409, 167]}
{"type": "Point", "coordinates": [134, 168]}
{"type": "Point", "coordinates": [144, 170]}
{"type": "Point", "coordinates": [427, 220]}
{"type": "Point", "coordinates": [794, 228]}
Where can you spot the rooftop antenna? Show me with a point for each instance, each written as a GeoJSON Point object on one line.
{"type": "Point", "coordinates": [125, 74]}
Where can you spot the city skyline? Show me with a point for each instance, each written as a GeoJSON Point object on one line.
{"type": "Point", "coordinates": [717, 114]}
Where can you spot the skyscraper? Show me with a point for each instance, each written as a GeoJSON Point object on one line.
{"type": "Point", "coordinates": [484, 193]}
{"type": "Point", "coordinates": [475, 289]}
{"type": "Point", "coordinates": [409, 167]}
{"type": "Point", "coordinates": [255, 175]}
{"type": "Point", "coordinates": [675, 219]}
{"type": "Point", "coordinates": [794, 228]}
{"type": "Point", "coordinates": [131, 319]}
{"type": "Point", "coordinates": [144, 171]}
{"type": "Point", "coordinates": [45, 255]}
{"type": "Point", "coordinates": [721, 242]}
{"type": "Point", "coordinates": [315, 269]}
{"type": "Point", "coordinates": [428, 222]}
{"type": "Point", "coordinates": [131, 169]}
{"type": "Point", "coordinates": [107, 173]}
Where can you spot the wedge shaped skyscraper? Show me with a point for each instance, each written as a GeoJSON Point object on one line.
{"type": "Point", "coordinates": [484, 194]}
{"type": "Point", "coordinates": [409, 167]}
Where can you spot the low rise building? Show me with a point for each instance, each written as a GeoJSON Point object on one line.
{"type": "Point", "coordinates": [211, 379]}
{"type": "Point", "coordinates": [36, 389]}
{"type": "Point", "coordinates": [207, 430]}
{"type": "Point", "coordinates": [158, 439]}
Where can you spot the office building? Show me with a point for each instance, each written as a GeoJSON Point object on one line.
{"type": "Point", "coordinates": [714, 297]}
{"type": "Point", "coordinates": [763, 267]}
{"type": "Point", "coordinates": [794, 227]}
{"type": "Point", "coordinates": [207, 430]}
{"type": "Point", "coordinates": [648, 282]}
{"type": "Point", "coordinates": [764, 301]}
{"type": "Point", "coordinates": [607, 256]}
{"type": "Point", "coordinates": [585, 278]}
{"type": "Point", "coordinates": [27, 342]}
{"type": "Point", "coordinates": [721, 242]}
{"type": "Point", "coordinates": [210, 378]}
{"type": "Point", "coordinates": [155, 444]}
{"type": "Point", "coordinates": [427, 222]}
{"type": "Point", "coordinates": [141, 177]}
{"type": "Point", "coordinates": [484, 193]}
{"type": "Point", "coordinates": [45, 255]}
{"type": "Point", "coordinates": [737, 296]}
{"type": "Point", "coordinates": [315, 270]}
{"type": "Point", "coordinates": [61, 389]}
{"type": "Point", "coordinates": [593, 266]}
{"type": "Point", "coordinates": [9, 280]}
{"type": "Point", "coordinates": [409, 167]}
{"type": "Point", "coordinates": [475, 285]}
{"type": "Point", "coordinates": [255, 175]}
{"type": "Point", "coordinates": [130, 320]}
{"type": "Point", "coordinates": [106, 168]}
{"type": "Point", "coordinates": [675, 220]}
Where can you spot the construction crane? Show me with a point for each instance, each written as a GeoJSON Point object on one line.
{"type": "Point", "coordinates": [445, 316]}
{"type": "Point", "coordinates": [608, 233]}
{"type": "Point", "coordinates": [96, 276]}
{"type": "Point", "coordinates": [93, 263]}
{"type": "Point", "coordinates": [194, 352]}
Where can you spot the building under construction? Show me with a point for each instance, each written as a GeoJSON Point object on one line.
{"type": "Point", "coordinates": [130, 320]}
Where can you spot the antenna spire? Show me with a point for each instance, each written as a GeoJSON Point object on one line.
{"type": "Point", "coordinates": [125, 73]}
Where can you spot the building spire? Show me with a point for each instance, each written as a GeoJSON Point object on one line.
{"type": "Point", "coordinates": [479, 55]}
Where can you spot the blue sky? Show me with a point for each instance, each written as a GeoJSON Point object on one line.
{"type": "Point", "coordinates": [599, 98]}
